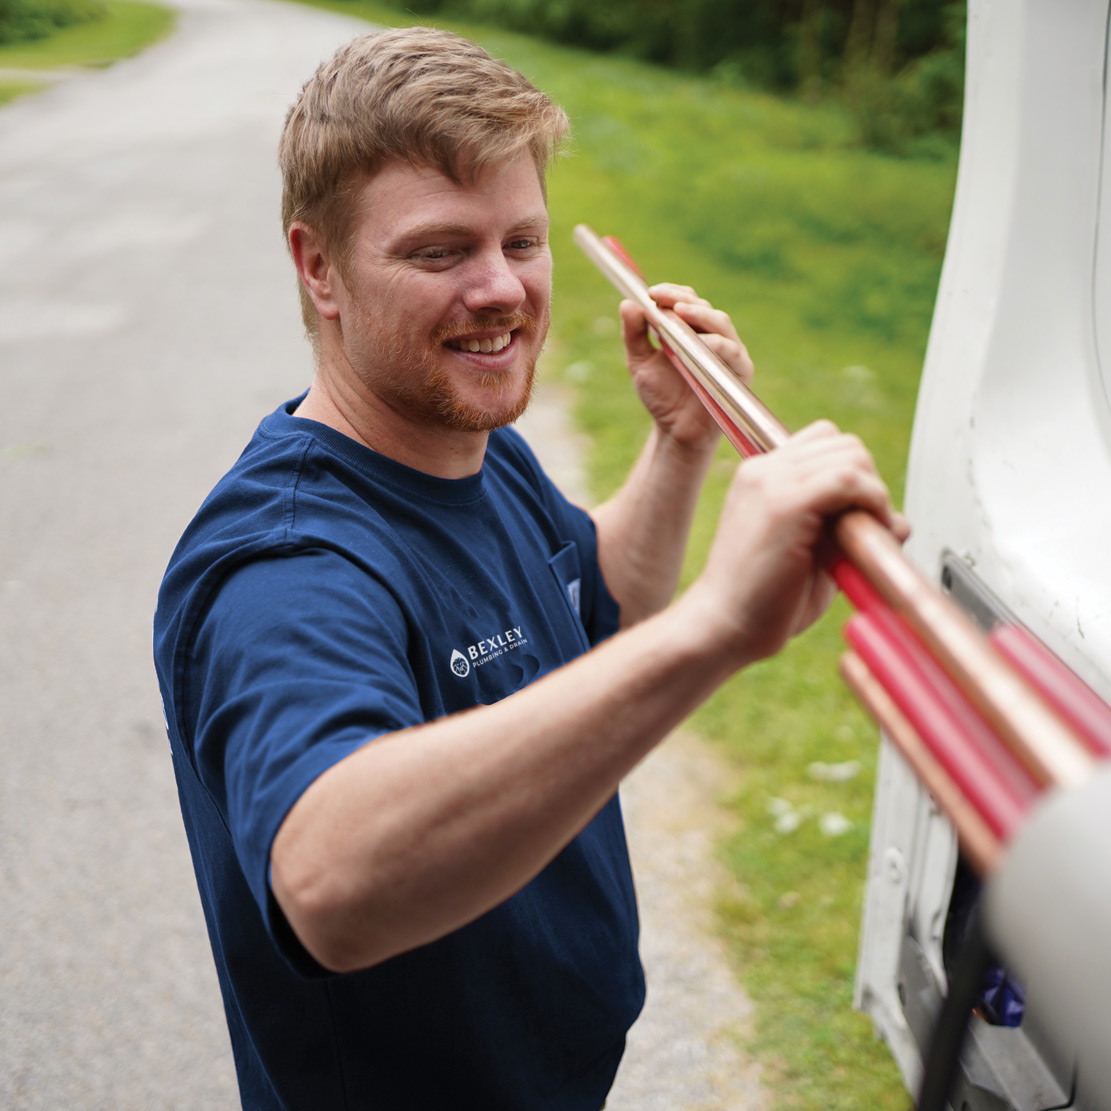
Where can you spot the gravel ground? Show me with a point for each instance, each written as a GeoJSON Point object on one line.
{"type": "Point", "coordinates": [686, 1051]}
{"type": "Point", "coordinates": [147, 320]}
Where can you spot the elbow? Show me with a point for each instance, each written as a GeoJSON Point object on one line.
{"type": "Point", "coordinates": [330, 947]}
{"type": "Point", "coordinates": [322, 913]}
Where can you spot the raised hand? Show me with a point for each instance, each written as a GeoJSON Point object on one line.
{"type": "Point", "coordinates": [662, 389]}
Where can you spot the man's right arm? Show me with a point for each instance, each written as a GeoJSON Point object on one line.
{"type": "Point", "coordinates": [421, 831]}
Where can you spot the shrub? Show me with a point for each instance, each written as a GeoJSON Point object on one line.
{"type": "Point", "coordinates": [26, 20]}
{"type": "Point", "coordinates": [919, 109]}
{"type": "Point", "coordinates": [900, 71]}
{"type": "Point", "coordinates": [900, 114]}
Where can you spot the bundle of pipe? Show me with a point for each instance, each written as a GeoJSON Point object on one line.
{"type": "Point", "coordinates": [987, 723]}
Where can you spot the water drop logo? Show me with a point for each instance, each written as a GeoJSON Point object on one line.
{"type": "Point", "coordinates": [460, 664]}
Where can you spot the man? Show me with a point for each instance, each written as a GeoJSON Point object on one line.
{"type": "Point", "coordinates": [403, 676]}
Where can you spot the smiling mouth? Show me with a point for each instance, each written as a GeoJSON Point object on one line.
{"type": "Point", "coordinates": [488, 346]}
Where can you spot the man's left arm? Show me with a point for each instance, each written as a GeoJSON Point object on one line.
{"type": "Point", "coordinates": [643, 528]}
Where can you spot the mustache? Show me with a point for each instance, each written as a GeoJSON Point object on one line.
{"type": "Point", "coordinates": [458, 329]}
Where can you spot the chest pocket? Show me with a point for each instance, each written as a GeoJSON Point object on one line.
{"type": "Point", "coordinates": [567, 571]}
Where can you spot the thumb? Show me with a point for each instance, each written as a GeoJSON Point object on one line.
{"type": "Point", "coordinates": [634, 331]}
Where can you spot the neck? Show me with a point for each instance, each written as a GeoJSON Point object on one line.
{"type": "Point", "coordinates": [442, 452]}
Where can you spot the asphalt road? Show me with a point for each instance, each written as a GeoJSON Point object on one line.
{"type": "Point", "coordinates": [148, 318]}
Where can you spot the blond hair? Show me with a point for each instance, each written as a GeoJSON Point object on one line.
{"type": "Point", "coordinates": [415, 95]}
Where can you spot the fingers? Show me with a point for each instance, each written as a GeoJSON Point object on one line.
{"type": "Point", "coordinates": [714, 326]}
{"type": "Point", "coordinates": [819, 429]}
{"type": "Point", "coordinates": [900, 526]}
{"type": "Point", "coordinates": [733, 353]}
{"type": "Point", "coordinates": [666, 294]}
{"type": "Point", "coordinates": [832, 471]}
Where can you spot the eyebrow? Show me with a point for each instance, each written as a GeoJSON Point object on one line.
{"type": "Point", "coordinates": [461, 231]}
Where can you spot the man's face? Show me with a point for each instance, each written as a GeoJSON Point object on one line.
{"type": "Point", "coordinates": [446, 294]}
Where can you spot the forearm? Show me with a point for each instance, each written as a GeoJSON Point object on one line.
{"type": "Point", "coordinates": [643, 529]}
{"type": "Point", "coordinates": [420, 832]}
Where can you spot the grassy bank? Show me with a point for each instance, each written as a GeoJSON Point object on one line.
{"type": "Point", "coordinates": [128, 27]}
{"type": "Point", "coordinates": [828, 258]}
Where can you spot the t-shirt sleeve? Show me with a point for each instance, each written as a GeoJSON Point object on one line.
{"type": "Point", "coordinates": [299, 661]}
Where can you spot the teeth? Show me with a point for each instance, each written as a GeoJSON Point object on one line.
{"type": "Point", "coordinates": [485, 346]}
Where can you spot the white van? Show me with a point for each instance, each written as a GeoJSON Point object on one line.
{"type": "Point", "coordinates": [1009, 492]}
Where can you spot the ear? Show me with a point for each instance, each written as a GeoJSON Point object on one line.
{"type": "Point", "coordinates": [319, 276]}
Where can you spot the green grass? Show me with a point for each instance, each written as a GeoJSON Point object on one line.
{"type": "Point", "coordinates": [828, 257]}
{"type": "Point", "coordinates": [10, 90]}
{"type": "Point", "coordinates": [128, 27]}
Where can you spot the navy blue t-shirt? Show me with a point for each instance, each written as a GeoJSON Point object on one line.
{"type": "Point", "coordinates": [325, 595]}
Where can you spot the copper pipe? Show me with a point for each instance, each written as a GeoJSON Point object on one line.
{"type": "Point", "coordinates": [1040, 740]}
{"type": "Point", "coordinates": [978, 842]}
{"type": "Point", "coordinates": [753, 418]}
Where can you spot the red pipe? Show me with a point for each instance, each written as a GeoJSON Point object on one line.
{"type": "Point", "coordinates": [975, 759]}
{"type": "Point", "coordinates": [1061, 687]}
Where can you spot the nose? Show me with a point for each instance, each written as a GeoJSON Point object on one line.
{"type": "Point", "coordinates": [493, 285]}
